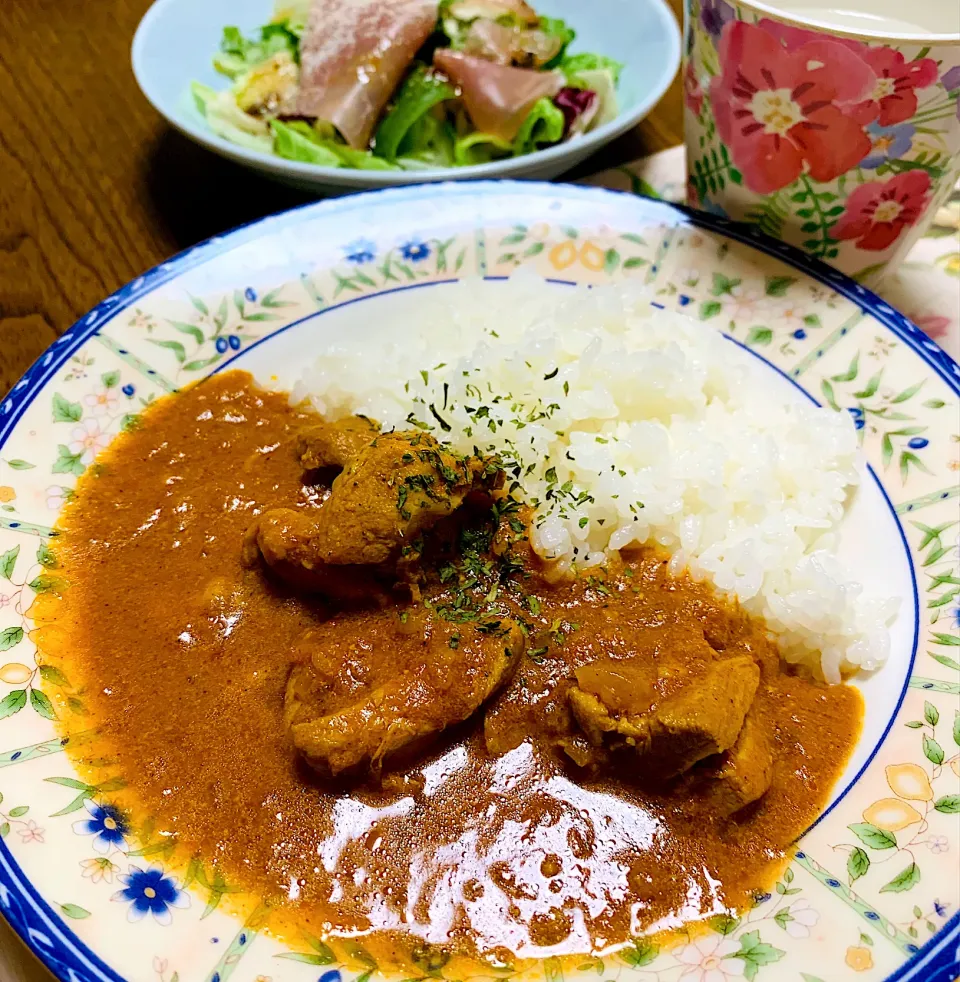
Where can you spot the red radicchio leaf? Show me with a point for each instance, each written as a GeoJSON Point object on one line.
{"type": "Point", "coordinates": [574, 103]}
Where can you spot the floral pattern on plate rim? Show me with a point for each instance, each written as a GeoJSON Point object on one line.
{"type": "Point", "coordinates": [846, 905]}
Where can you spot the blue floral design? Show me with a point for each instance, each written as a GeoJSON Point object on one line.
{"type": "Point", "coordinates": [414, 251]}
{"type": "Point", "coordinates": [250, 294]}
{"type": "Point", "coordinates": [857, 415]}
{"type": "Point", "coordinates": [918, 443]}
{"type": "Point", "coordinates": [889, 143]}
{"type": "Point", "coordinates": [799, 333]}
{"type": "Point", "coordinates": [360, 252]}
{"type": "Point", "coordinates": [232, 341]}
{"type": "Point", "coordinates": [128, 390]}
{"type": "Point", "coordinates": [332, 976]}
{"type": "Point", "coordinates": [150, 891]}
{"type": "Point", "coordinates": [107, 825]}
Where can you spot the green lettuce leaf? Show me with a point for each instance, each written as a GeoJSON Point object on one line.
{"type": "Point", "coordinates": [544, 125]}
{"type": "Point", "coordinates": [202, 95]}
{"type": "Point", "coordinates": [428, 143]}
{"type": "Point", "coordinates": [414, 163]}
{"type": "Point", "coordinates": [228, 120]}
{"type": "Point", "coordinates": [418, 95]}
{"type": "Point", "coordinates": [299, 141]}
{"type": "Point", "coordinates": [573, 65]}
{"type": "Point", "coordinates": [454, 28]}
{"type": "Point", "coordinates": [480, 148]}
{"type": "Point", "coordinates": [292, 15]}
{"type": "Point", "coordinates": [555, 27]}
{"type": "Point", "coordinates": [358, 159]}
{"type": "Point", "coordinates": [239, 54]}
{"type": "Point", "coordinates": [282, 35]}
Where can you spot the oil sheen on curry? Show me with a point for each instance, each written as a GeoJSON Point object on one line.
{"type": "Point", "coordinates": [325, 663]}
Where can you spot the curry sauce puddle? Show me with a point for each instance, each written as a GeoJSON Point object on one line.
{"type": "Point", "coordinates": [179, 657]}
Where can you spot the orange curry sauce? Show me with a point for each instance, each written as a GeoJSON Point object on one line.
{"type": "Point", "coordinates": [179, 655]}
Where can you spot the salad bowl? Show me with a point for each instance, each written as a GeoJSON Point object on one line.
{"type": "Point", "coordinates": [177, 41]}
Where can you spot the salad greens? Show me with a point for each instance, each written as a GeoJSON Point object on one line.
{"type": "Point", "coordinates": [417, 96]}
{"type": "Point", "coordinates": [426, 123]}
{"type": "Point", "coordinates": [573, 66]}
{"type": "Point", "coordinates": [430, 142]}
{"type": "Point", "coordinates": [556, 28]}
{"type": "Point", "coordinates": [542, 127]}
{"type": "Point", "coordinates": [298, 140]}
{"type": "Point", "coordinates": [228, 120]}
{"type": "Point", "coordinates": [239, 54]}
{"type": "Point", "coordinates": [480, 148]}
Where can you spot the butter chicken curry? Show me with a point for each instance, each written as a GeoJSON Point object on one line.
{"type": "Point", "coordinates": [325, 662]}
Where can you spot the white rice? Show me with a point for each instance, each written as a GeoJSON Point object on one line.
{"type": "Point", "coordinates": [625, 425]}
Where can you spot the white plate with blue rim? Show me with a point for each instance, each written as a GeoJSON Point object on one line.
{"type": "Point", "coordinates": [871, 892]}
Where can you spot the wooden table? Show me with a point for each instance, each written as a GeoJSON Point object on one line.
{"type": "Point", "coordinates": [95, 189]}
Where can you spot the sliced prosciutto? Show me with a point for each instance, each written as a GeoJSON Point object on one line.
{"type": "Point", "coordinates": [510, 45]}
{"type": "Point", "coordinates": [498, 97]}
{"type": "Point", "coordinates": [353, 55]}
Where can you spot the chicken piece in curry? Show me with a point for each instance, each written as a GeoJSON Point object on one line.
{"type": "Point", "coordinates": [333, 672]}
{"type": "Point", "coordinates": [375, 685]}
{"type": "Point", "coordinates": [333, 445]}
{"type": "Point", "coordinates": [392, 488]}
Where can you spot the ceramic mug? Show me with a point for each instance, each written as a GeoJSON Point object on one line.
{"type": "Point", "coordinates": [834, 130]}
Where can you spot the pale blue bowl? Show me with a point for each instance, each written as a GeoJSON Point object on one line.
{"type": "Point", "coordinates": [177, 39]}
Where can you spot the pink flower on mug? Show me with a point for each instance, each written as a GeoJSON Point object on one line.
{"type": "Point", "coordinates": [893, 96]}
{"type": "Point", "coordinates": [793, 38]}
{"type": "Point", "coordinates": [692, 93]}
{"type": "Point", "coordinates": [878, 211]}
{"type": "Point", "coordinates": [779, 111]}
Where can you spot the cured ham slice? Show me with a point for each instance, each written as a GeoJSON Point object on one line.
{"type": "Point", "coordinates": [353, 55]}
{"type": "Point", "coordinates": [510, 45]}
{"type": "Point", "coordinates": [498, 97]}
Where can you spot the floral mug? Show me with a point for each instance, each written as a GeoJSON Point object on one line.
{"type": "Point", "coordinates": [841, 142]}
